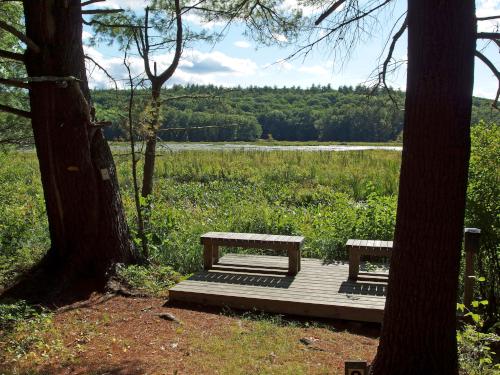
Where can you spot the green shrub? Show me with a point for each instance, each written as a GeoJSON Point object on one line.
{"type": "Point", "coordinates": [153, 280]}
{"type": "Point", "coordinates": [483, 208]}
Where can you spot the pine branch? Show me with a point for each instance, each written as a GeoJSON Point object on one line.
{"type": "Point", "coordinates": [85, 3]}
{"type": "Point", "coordinates": [14, 83]}
{"type": "Point", "coordinates": [15, 111]}
{"type": "Point", "coordinates": [330, 10]}
{"type": "Point", "coordinates": [102, 11]}
{"type": "Point", "coordinates": [11, 55]}
{"type": "Point", "coordinates": [488, 18]}
{"type": "Point", "coordinates": [31, 45]}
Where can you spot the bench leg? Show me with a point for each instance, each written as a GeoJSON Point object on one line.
{"type": "Point", "coordinates": [208, 260]}
{"type": "Point", "coordinates": [354, 259]}
{"type": "Point", "coordinates": [293, 261]}
{"type": "Point", "coordinates": [215, 254]}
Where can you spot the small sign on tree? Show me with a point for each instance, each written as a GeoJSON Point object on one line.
{"type": "Point", "coordinates": [356, 368]}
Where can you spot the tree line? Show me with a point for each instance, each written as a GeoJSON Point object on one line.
{"type": "Point", "coordinates": [212, 113]}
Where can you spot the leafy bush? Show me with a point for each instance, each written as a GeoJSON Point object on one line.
{"type": "Point", "coordinates": [476, 353]}
{"type": "Point", "coordinates": [153, 280]}
{"type": "Point", "coordinates": [483, 208]}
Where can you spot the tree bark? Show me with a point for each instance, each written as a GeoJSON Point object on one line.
{"type": "Point", "coordinates": [150, 155]}
{"type": "Point", "coordinates": [419, 328]}
{"type": "Point", "coordinates": [87, 224]}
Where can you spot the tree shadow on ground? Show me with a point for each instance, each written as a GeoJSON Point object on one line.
{"type": "Point", "coordinates": [367, 329]}
{"type": "Point", "coordinates": [128, 367]}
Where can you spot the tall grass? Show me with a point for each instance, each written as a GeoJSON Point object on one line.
{"type": "Point", "coordinates": [325, 196]}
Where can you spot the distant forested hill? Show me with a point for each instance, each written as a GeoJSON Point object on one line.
{"type": "Point", "coordinates": [210, 113]}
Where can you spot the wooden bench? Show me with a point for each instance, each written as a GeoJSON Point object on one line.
{"type": "Point", "coordinates": [211, 242]}
{"type": "Point", "coordinates": [357, 248]}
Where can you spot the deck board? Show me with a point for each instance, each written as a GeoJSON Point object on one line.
{"type": "Point", "coordinates": [318, 290]}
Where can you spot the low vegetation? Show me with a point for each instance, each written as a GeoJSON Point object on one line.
{"type": "Point", "coordinates": [326, 196]}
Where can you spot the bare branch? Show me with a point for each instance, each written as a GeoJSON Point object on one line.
{"type": "Point", "coordinates": [330, 10]}
{"type": "Point", "coordinates": [102, 11]}
{"type": "Point", "coordinates": [339, 27]}
{"type": "Point", "coordinates": [163, 77]}
{"type": "Point", "coordinates": [488, 35]}
{"type": "Point", "coordinates": [103, 69]}
{"type": "Point", "coordinates": [110, 25]}
{"type": "Point", "coordinates": [383, 73]}
{"type": "Point", "coordinates": [488, 18]}
{"type": "Point", "coordinates": [15, 111]}
{"type": "Point", "coordinates": [495, 37]}
{"type": "Point", "coordinates": [85, 3]}
{"type": "Point", "coordinates": [31, 45]}
{"type": "Point", "coordinates": [11, 55]}
{"type": "Point", "coordinates": [14, 83]}
{"type": "Point", "coordinates": [494, 70]}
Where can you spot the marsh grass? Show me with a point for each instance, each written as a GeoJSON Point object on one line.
{"type": "Point", "coordinates": [325, 196]}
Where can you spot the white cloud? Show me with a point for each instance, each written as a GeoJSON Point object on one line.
{"type": "Point", "coordinates": [195, 67]}
{"type": "Point", "coordinates": [294, 4]}
{"type": "Point", "coordinates": [86, 35]}
{"type": "Point", "coordinates": [282, 65]}
{"type": "Point", "coordinates": [242, 44]}
{"type": "Point", "coordinates": [117, 4]}
{"type": "Point", "coordinates": [485, 8]}
{"type": "Point", "coordinates": [196, 20]}
{"type": "Point", "coordinates": [318, 70]}
{"type": "Point", "coordinates": [280, 38]}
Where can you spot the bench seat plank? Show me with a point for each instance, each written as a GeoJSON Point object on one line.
{"type": "Point", "coordinates": [291, 244]}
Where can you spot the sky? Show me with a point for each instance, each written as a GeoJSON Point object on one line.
{"type": "Point", "coordinates": [238, 60]}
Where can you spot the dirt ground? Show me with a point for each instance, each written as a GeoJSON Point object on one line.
{"type": "Point", "coordinates": [128, 336]}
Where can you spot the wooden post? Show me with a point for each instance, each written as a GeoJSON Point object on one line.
{"type": "Point", "coordinates": [215, 253]}
{"type": "Point", "coordinates": [471, 247]}
{"type": "Point", "coordinates": [208, 260]}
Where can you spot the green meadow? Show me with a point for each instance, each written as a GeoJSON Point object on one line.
{"type": "Point", "coordinates": [327, 197]}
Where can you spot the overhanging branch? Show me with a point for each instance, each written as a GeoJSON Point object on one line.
{"type": "Point", "coordinates": [330, 10]}
{"type": "Point", "coordinates": [14, 83]}
{"type": "Point", "coordinates": [85, 3]}
{"type": "Point", "coordinates": [31, 45]}
{"type": "Point", "coordinates": [15, 111]}
{"type": "Point", "coordinates": [494, 70]}
{"type": "Point", "coordinates": [103, 69]}
{"type": "Point", "coordinates": [488, 18]}
{"type": "Point", "coordinates": [102, 11]}
{"type": "Point", "coordinates": [488, 35]}
{"type": "Point", "coordinates": [495, 37]}
{"type": "Point", "coordinates": [383, 73]}
{"type": "Point", "coordinates": [11, 55]}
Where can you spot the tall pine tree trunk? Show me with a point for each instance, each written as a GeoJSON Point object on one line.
{"type": "Point", "coordinates": [418, 333]}
{"type": "Point", "coordinates": [86, 219]}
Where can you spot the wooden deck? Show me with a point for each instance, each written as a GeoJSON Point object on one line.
{"type": "Point", "coordinates": [260, 282]}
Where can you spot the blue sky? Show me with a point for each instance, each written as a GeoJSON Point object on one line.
{"type": "Point", "coordinates": [237, 60]}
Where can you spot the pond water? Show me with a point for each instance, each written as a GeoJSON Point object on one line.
{"type": "Point", "coordinates": [176, 147]}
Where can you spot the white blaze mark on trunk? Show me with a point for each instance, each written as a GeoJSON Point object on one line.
{"type": "Point", "coordinates": [105, 174]}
